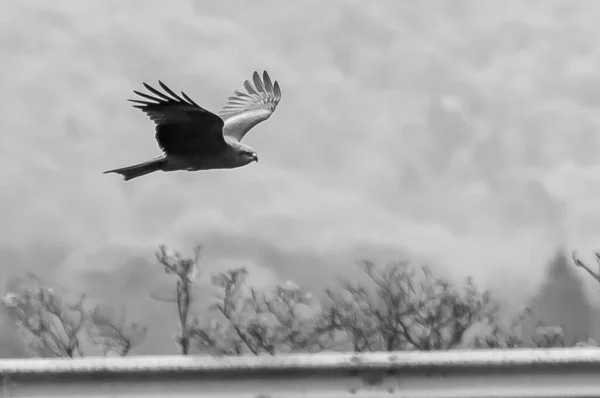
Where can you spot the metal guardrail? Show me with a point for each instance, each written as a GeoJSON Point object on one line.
{"type": "Point", "coordinates": [562, 372]}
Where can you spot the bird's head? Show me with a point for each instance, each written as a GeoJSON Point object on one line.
{"type": "Point", "coordinates": [247, 156]}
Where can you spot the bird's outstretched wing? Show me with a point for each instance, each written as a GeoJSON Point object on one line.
{"type": "Point", "coordinates": [182, 126]}
{"type": "Point", "coordinates": [245, 110]}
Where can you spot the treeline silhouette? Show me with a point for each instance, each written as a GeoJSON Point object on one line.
{"type": "Point", "coordinates": [400, 307]}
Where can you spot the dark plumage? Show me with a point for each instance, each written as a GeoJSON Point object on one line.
{"type": "Point", "coordinates": [193, 138]}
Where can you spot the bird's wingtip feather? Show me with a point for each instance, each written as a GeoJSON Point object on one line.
{"type": "Point", "coordinates": [277, 90]}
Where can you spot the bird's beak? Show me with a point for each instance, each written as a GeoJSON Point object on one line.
{"type": "Point", "coordinates": [255, 157]}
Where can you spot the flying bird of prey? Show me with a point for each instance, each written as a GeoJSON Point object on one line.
{"type": "Point", "coordinates": [193, 138]}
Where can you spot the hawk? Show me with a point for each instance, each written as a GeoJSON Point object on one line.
{"type": "Point", "coordinates": [193, 138]}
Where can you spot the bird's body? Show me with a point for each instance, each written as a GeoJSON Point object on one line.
{"type": "Point", "coordinates": [193, 138]}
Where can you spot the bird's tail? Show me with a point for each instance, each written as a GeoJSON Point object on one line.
{"type": "Point", "coordinates": [139, 170]}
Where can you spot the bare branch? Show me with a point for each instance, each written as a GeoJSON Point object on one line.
{"type": "Point", "coordinates": [405, 310]}
{"type": "Point", "coordinates": [112, 333]}
{"type": "Point", "coordinates": [186, 270]}
{"type": "Point", "coordinates": [256, 321]}
{"type": "Point", "coordinates": [53, 327]}
{"type": "Point", "coordinates": [581, 264]}
{"type": "Point", "coordinates": [49, 325]}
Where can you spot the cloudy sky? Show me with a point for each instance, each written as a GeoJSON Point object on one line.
{"type": "Point", "coordinates": [461, 133]}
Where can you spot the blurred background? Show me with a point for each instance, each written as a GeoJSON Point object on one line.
{"type": "Point", "coordinates": [460, 134]}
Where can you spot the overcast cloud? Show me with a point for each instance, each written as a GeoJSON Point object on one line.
{"type": "Point", "coordinates": [463, 133]}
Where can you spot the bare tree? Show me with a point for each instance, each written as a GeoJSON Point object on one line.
{"type": "Point", "coordinates": [246, 320]}
{"type": "Point", "coordinates": [52, 326]}
{"type": "Point", "coordinates": [185, 269]}
{"type": "Point", "coordinates": [404, 309]}
{"type": "Point", "coordinates": [113, 333]}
